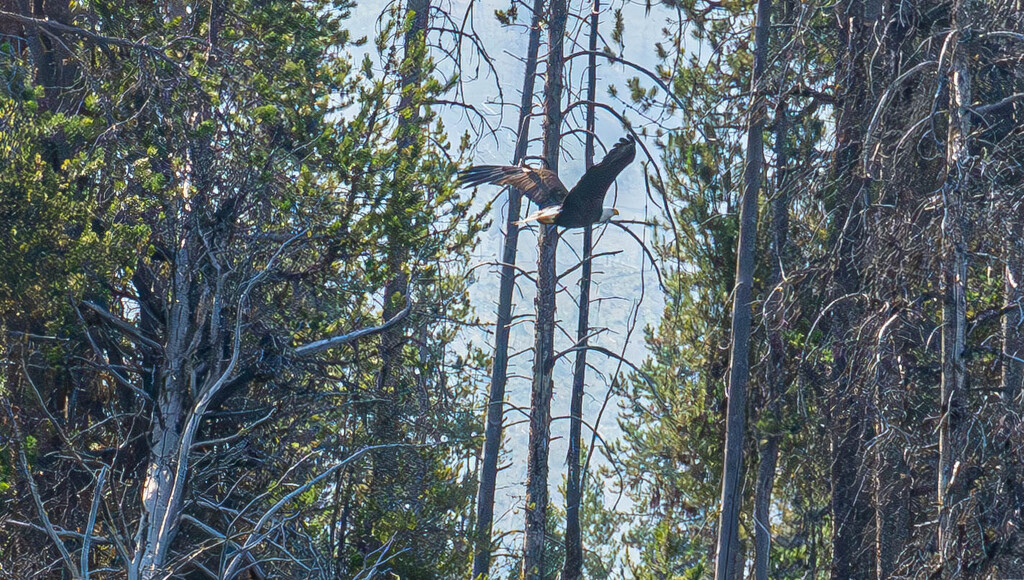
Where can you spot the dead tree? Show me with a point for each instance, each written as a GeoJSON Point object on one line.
{"type": "Point", "coordinates": [775, 379]}
{"type": "Point", "coordinates": [544, 332]}
{"type": "Point", "coordinates": [739, 363]}
{"type": "Point", "coordinates": [849, 425]}
{"type": "Point", "coordinates": [573, 566]}
{"type": "Point", "coordinates": [499, 368]}
{"type": "Point", "coordinates": [953, 455]}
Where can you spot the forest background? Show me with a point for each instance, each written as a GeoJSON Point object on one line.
{"type": "Point", "coordinates": [250, 327]}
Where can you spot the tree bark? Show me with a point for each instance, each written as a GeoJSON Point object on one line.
{"type": "Point", "coordinates": [849, 429]}
{"type": "Point", "coordinates": [727, 564]}
{"type": "Point", "coordinates": [573, 567]}
{"type": "Point", "coordinates": [891, 477]}
{"type": "Point", "coordinates": [499, 368]}
{"type": "Point", "coordinates": [181, 402]}
{"type": "Point", "coordinates": [1013, 338]}
{"type": "Point", "coordinates": [543, 350]}
{"type": "Point", "coordinates": [408, 131]}
{"type": "Point", "coordinates": [775, 379]}
{"type": "Point", "coordinates": [162, 493]}
{"type": "Point", "coordinates": [55, 66]}
{"type": "Point", "coordinates": [762, 506]}
{"type": "Point", "coordinates": [953, 409]}
{"type": "Point", "coordinates": [890, 470]}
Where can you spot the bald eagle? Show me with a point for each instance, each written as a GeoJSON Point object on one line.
{"type": "Point", "coordinates": [580, 207]}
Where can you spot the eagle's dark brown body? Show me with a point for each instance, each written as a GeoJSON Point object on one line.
{"type": "Point", "coordinates": [580, 207]}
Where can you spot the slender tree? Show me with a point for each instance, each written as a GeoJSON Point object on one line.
{"type": "Point", "coordinates": [953, 455]}
{"type": "Point", "coordinates": [890, 481]}
{"type": "Point", "coordinates": [502, 327]}
{"type": "Point", "coordinates": [1013, 338]}
{"type": "Point", "coordinates": [391, 389]}
{"type": "Point", "coordinates": [544, 332]}
{"type": "Point", "coordinates": [768, 451]}
{"type": "Point", "coordinates": [849, 427]}
{"type": "Point", "coordinates": [573, 566]}
{"type": "Point", "coordinates": [727, 558]}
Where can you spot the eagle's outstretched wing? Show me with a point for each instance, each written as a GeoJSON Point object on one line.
{"type": "Point", "coordinates": [539, 184]}
{"type": "Point", "coordinates": [587, 196]}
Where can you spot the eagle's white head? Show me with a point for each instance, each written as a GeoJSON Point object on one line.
{"type": "Point", "coordinates": [607, 214]}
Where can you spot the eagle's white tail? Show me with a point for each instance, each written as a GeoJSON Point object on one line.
{"type": "Point", "coordinates": [544, 215]}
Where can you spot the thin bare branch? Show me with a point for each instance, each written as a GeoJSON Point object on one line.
{"type": "Point", "coordinates": [320, 346]}
{"type": "Point", "coordinates": [44, 517]}
{"type": "Point", "coordinates": [97, 499]}
{"type": "Point", "coordinates": [123, 326]}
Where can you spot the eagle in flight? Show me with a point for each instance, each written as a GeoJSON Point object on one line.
{"type": "Point", "coordinates": [580, 207]}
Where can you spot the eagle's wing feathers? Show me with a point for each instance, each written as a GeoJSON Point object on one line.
{"type": "Point", "coordinates": [587, 196]}
{"type": "Point", "coordinates": [539, 184]}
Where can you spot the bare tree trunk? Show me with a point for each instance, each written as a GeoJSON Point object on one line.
{"type": "Point", "coordinates": [849, 429]}
{"type": "Point", "coordinates": [540, 411]}
{"type": "Point", "coordinates": [177, 416]}
{"type": "Point", "coordinates": [727, 564]}
{"type": "Point", "coordinates": [499, 368]}
{"type": "Point", "coordinates": [573, 567]}
{"type": "Point", "coordinates": [891, 480]}
{"type": "Point", "coordinates": [1012, 379]}
{"type": "Point", "coordinates": [1013, 337]}
{"type": "Point", "coordinates": [775, 379]}
{"type": "Point", "coordinates": [543, 350]}
{"type": "Point", "coordinates": [162, 493]}
{"type": "Point", "coordinates": [953, 411]}
{"type": "Point", "coordinates": [762, 506]}
{"type": "Point", "coordinates": [890, 471]}
{"type": "Point", "coordinates": [339, 521]}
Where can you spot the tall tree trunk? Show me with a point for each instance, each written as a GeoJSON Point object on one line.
{"type": "Point", "coordinates": [386, 424]}
{"type": "Point", "coordinates": [728, 565]}
{"type": "Point", "coordinates": [162, 493]}
{"type": "Point", "coordinates": [891, 477]}
{"type": "Point", "coordinates": [769, 455]}
{"type": "Point", "coordinates": [1012, 379]}
{"type": "Point", "coordinates": [543, 350]}
{"type": "Point", "coordinates": [1013, 337]}
{"type": "Point", "coordinates": [953, 409]}
{"type": "Point", "coordinates": [852, 512]}
{"type": "Point", "coordinates": [407, 139]}
{"type": "Point", "coordinates": [890, 470]}
{"type": "Point", "coordinates": [177, 415]}
{"type": "Point", "coordinates": [408, 132]}
{"type": "Point", "coordinates": [499, 368]}
{"type": "Point", "coordinates": [573, 567]}
{"type": "Point", "coordinates": [775, 379]}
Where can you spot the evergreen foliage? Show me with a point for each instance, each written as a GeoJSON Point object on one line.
{"type": "Point", "coordinates": [207, 201]}
{"type": "Point", "coordinates": [236, 335]}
